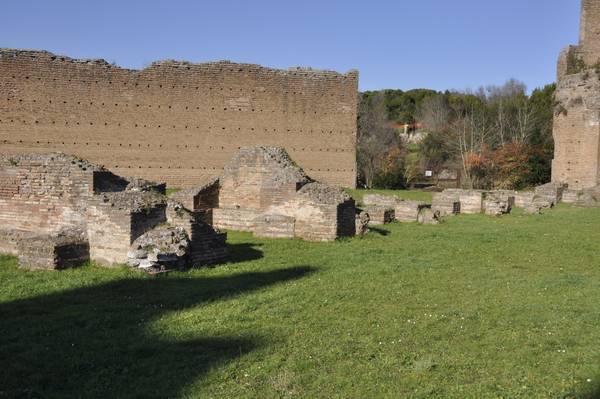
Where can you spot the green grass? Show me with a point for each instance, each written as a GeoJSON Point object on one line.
{"type": "Point", "coordinates": [171, 191]}
{"type": "Point", "coordinates": [475, 308]}
{"type": "Point", "coordinates": [415, 195]}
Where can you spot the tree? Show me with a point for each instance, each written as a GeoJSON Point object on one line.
{"type": "Point", "coordinates": [434, 113]}
{"type": "Point", "coordinates": [375, 136]}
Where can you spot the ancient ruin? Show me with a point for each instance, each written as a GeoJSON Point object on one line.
{"type": "Point", "coordinates": [454, 201]}
{"type": "Point", "coordinates": [59, 211]}
{"type": "Point", "coordinates": [446, 203]}
{"type": "Point", "coordinates": [380, 215]}
{"type": "Point", "coordinates": [403, 210]}
{"type": "Point", "coordinates": [577, 114]}
{"type": "Point", "coordinates": [263, 191]}
{"type": "Point", "coordinates": [153, 123]}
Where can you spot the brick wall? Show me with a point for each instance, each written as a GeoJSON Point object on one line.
{"type": "Point", "coordinates": [577, 131]}
{"type": "Point", "coordinates": [589, 33]}
{"type": "Point", "coordinates": [42, 194]}
{"type": "Point", "coordinates": [577, 116]}
{"type": "Point", "coordinates": [175, 121]}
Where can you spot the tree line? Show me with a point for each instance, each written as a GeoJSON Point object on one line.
{"type": "Point", "coordinates": [494, 137]}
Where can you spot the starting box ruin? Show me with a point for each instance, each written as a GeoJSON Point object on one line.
{"type": "Point", "coordinates": [263, 191]}
{"type": "Point", "coordinates": [59, 211]}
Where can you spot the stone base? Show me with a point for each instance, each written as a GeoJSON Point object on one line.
{"type": "Point", "coordinates": [471, 201]}
{"type": "Point", "coordinates": [524, 199]}
{"type": "Point", "coordinates": [446, 204]}
{"type": "Point", "coordinates": [570, 196]}
{"type": "Point", "coordinates": [52, 252]}
{"type": "Point", "coordinates": [408, 211]}
{"type": "Point", "coordinates": [380, 215]}
{"type": "Point", "coordinates": [551, 192]}
{"type": "Point", "coordinates": [429, 216]}
{"type": "Point", "coordinates": [362, 223]}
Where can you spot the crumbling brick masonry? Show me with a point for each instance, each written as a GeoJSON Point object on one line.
{"type": "Point", "coordinates": [263, 191]}
{"type": "Point", "coordinates": [59, 211]}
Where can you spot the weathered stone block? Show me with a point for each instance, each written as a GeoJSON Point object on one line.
{"type": "Point", "coordinates": [408, 211]}
{"type": "Point", "coordinates": [551, 192]}
{"type": "Point", "coordinates": [53, 252]}
{"type": "Point", "coordinates": [362, 223]}
{"type": "Point", "coordinates": [497, 204]}
{"type": "Point", "coordinates": [524, 198]}
{"type": "Point", "coordinates": [380, 215]}
{"type": "Point", "coordinates": [571, 196]}
{"type": "Point", "coordinates": [446, 203]}
{"type": "Point", "coordinates": [429, 216]}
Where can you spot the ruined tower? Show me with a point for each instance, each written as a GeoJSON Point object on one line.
{"type": "Point", "coordinates": [589, 33]}
{"type": "Point", "coordinates": [577, 114]}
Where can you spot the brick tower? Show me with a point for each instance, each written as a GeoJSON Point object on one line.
{"type": "Point", "coordinates": [577, 114]}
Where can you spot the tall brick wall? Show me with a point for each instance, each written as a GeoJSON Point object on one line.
{"type": "Point", "coordinates": [589, 34]}
{"type": "Point", "coordinates": [175, 121]}
{"type": "Point", "coordinates": [577, 115]}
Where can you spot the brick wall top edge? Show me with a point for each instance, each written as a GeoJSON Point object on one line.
{"type": "Point", "coordinates": [170, 64]}
{"type": "Point", "coordinates": [47, 158]}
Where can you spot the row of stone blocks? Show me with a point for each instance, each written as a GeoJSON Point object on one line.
{"type": "Point", "coordinates": [383, 209]}
{"type": "Point", "coordinates": [497, 202]}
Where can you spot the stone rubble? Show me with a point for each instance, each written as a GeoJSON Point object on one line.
{"type": "Point", "coordinates": [362, 223]}
{"type": "Point", "coordinates": [429, 216]}
{"type": "Point", "coordinates": [161, 249]}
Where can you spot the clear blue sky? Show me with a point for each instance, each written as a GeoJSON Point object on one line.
{"type": "Point", "coordinates": [439, 44]}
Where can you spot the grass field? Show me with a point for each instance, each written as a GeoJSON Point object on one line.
{"type": "Point", "coordinates": [474, 308]}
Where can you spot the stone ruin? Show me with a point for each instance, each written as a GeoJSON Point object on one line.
{"type": "Point", "coordinates": [473, 202]}
{"type": "Point", "coordinates": [59, 211]}
{"type": "Point", "coordinates": [397, 209]}
{"type": "Point", "coordinates": [455, 201]}
{"type": "Point", "coordinates": [388, 208]}
{"type": "Point", "coordinates": [586, 198]}
{"type": "Point", "coordinates": [576, 128]}
{"type": "Point", "coordinates": [263, 191]}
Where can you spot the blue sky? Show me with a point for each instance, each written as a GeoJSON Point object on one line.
{"type": "Point", "coordinates": [438, 44]}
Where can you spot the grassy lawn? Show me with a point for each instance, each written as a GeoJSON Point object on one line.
{"type": "Point", "coordinates": [474, 308]}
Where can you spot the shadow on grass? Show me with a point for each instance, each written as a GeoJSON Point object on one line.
{"type": "Point", "coordinates": [380, 231]}
{"type": "Point", "coordinates": [593, 393]}
{"type": "Point", "coordinates": [244, 252]}
{"type": "Point", "coordinates": [94, 341]}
